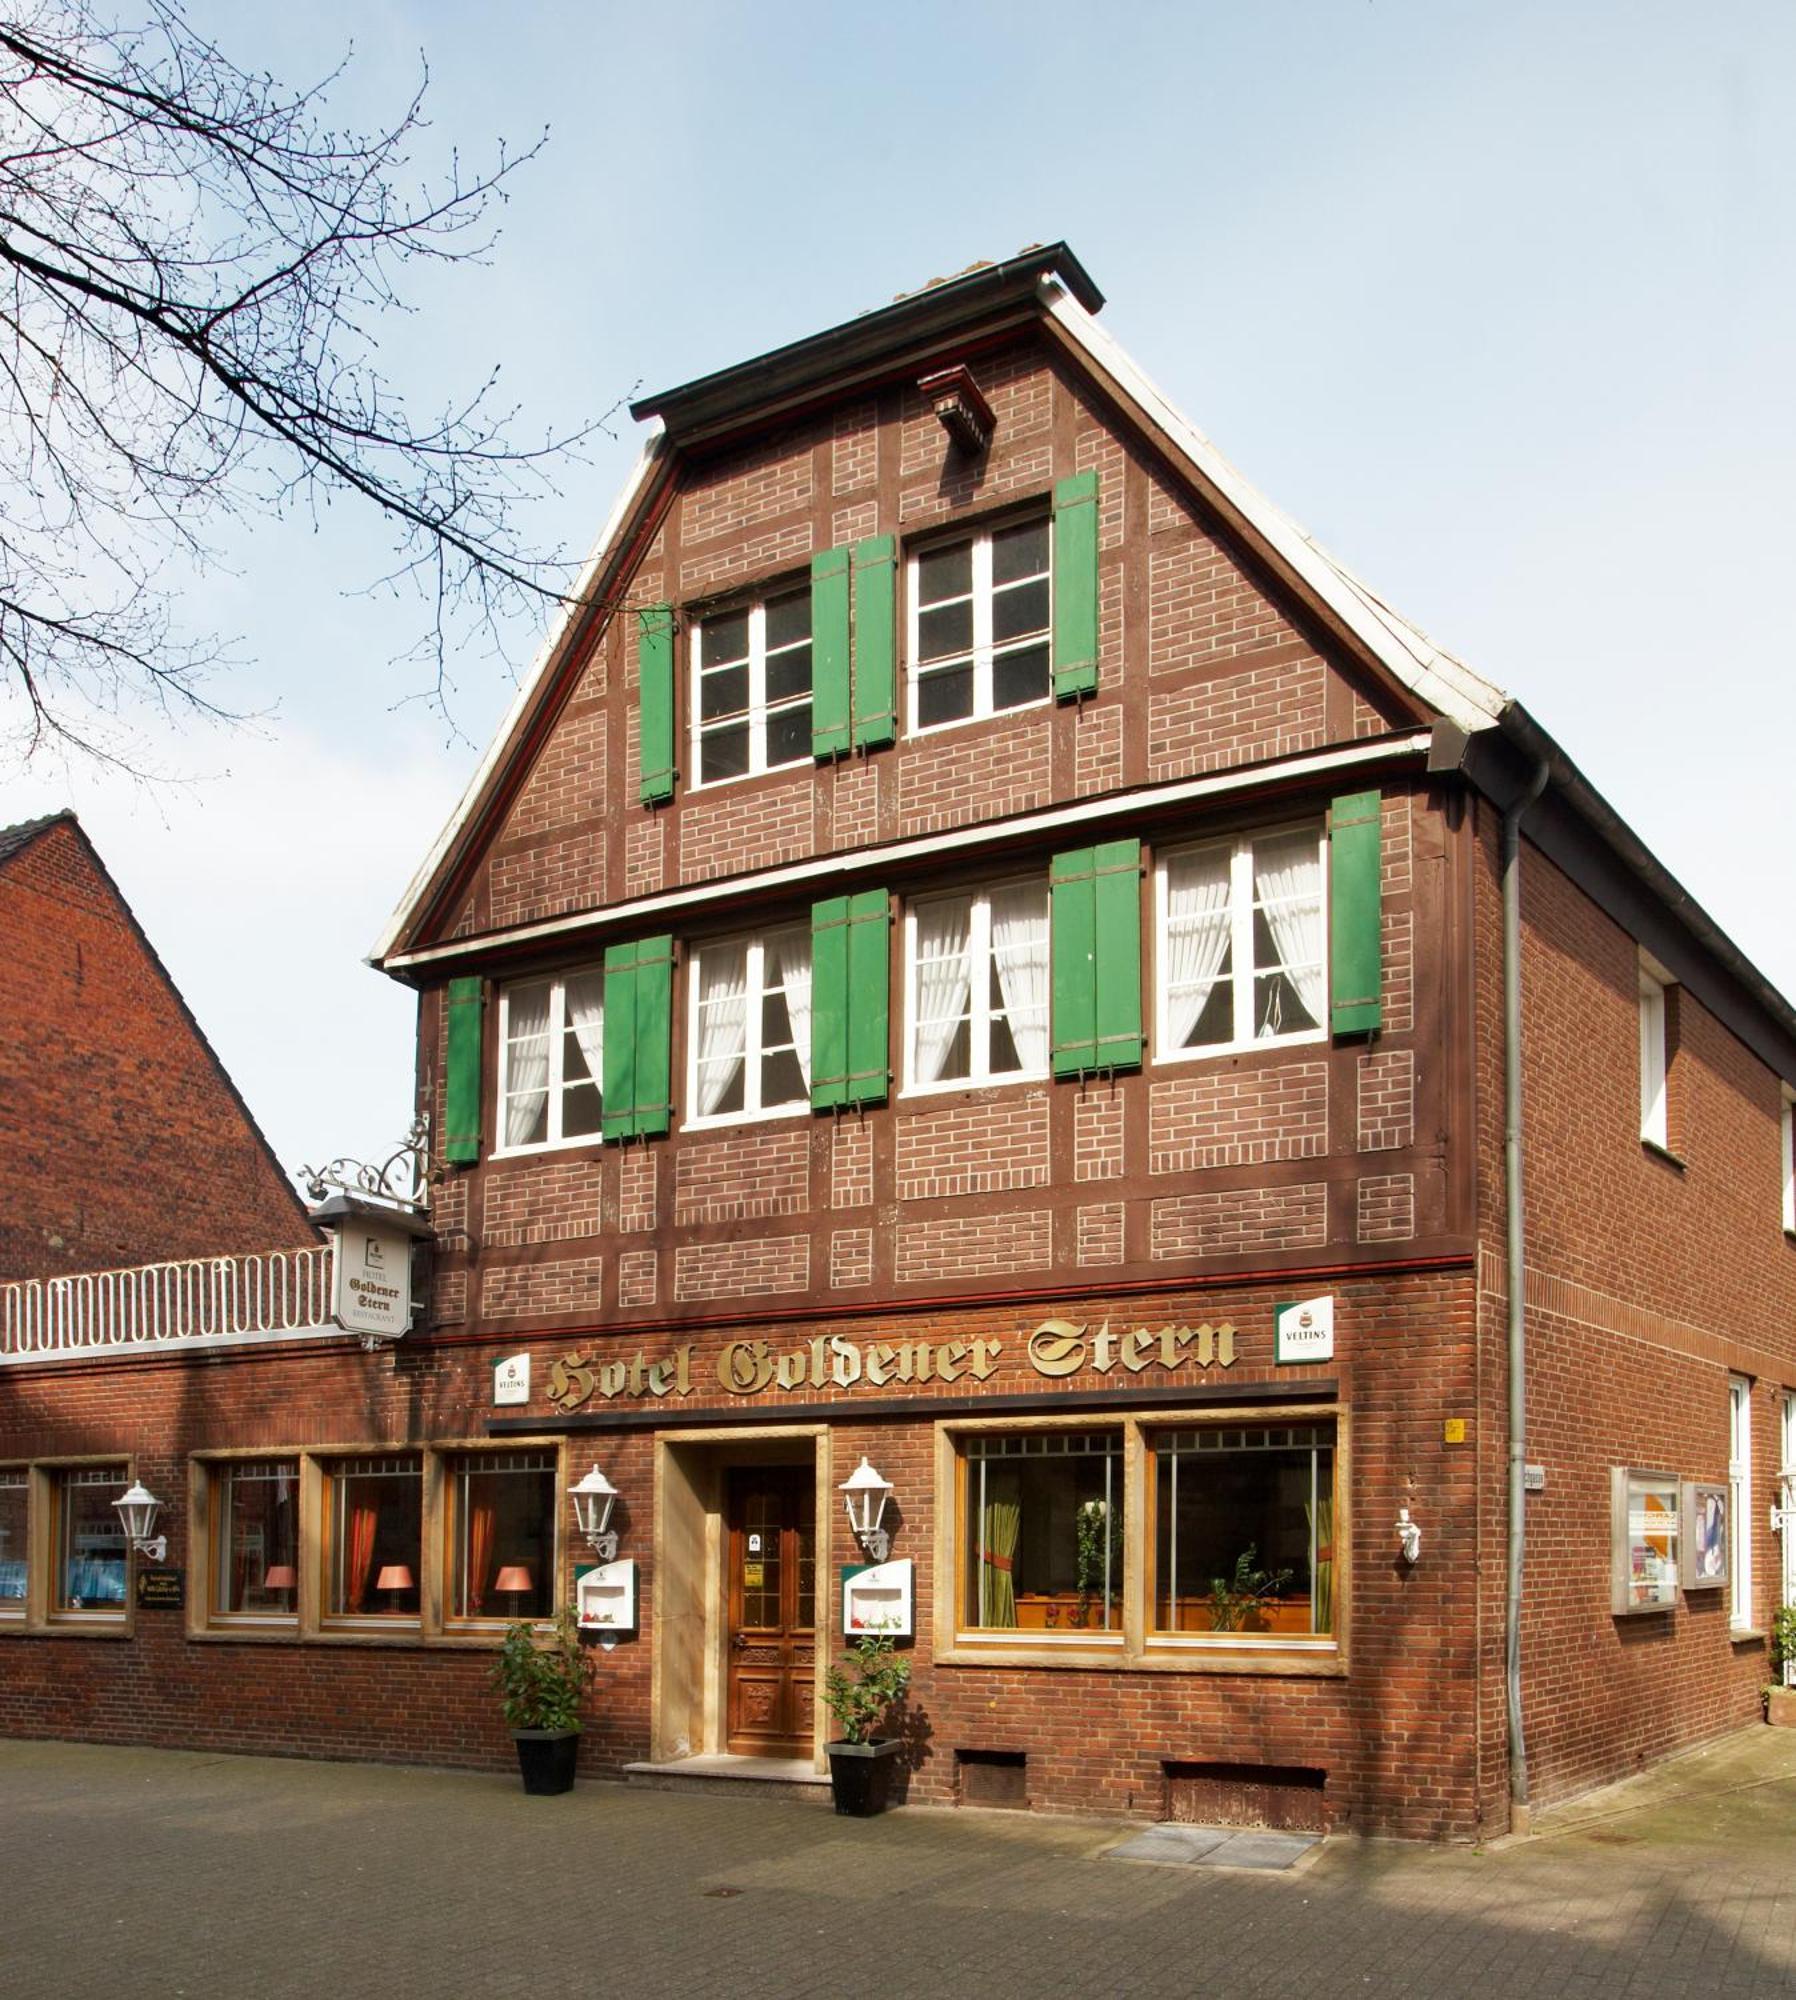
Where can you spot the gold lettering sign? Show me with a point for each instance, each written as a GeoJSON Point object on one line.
{"type": "Point", "coordinates": [1057, 1348]}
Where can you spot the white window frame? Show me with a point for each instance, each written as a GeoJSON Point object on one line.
{"type": "Point", "coordinates": [558, 1022]}
{"type": "Point", "coordinates": [1655, 1124]}
{"type": "Point", "coordinates": [979, 1012]}
{"type": "Point", "coordinates": [1787, 1140]}
{"type": "Point", "coordinates": [1241, 976]}
{"type": "Point", "coordinates": [1739, 1502]}
{"type": "Point", "coordinates": [1786, 1496]}
{"type": "Point", "coordinates": [753, 1111]}
{"type": "Point", "coordinates": [760, 709]}
{"type": "Point", "coordinates": [984, 651]}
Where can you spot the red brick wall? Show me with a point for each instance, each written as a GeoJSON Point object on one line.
{"type": "Point", "coordinates": [125, 1142]}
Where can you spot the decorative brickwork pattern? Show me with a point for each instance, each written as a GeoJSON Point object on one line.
{"type": "Point", "coordinates": [449, 1298]}
{"type": "Point", "coordinates": [731, 830]}
{"type": "Point", "coordinates": [449, 1205]}
{"type": "Point", "coordinates": [1397, 955]}
{"type": "Point", "coordinates": [568, 781]}
{"type": "Point", "coordinates": [545, 1201]}
{"type": "Point", "coordinates": [854, 448]}
{"type": "Point", "coordinates": [848, 525]}
{"type": "Point", "coordinates": [975, 1246]}
{"type": "Point", "coordinates": [530, 1291]}
{"type": "Point", "coordinates": [645, 849]}
{"type": "Point", "coordinates": [735, 562]}
{"type": "Point", "coordinates": [1366, 719]}
{"type": "Point", "coordinates": [742, 1270]}
{"type": "Point", "coordinates": [637, 1167]}
{"type": "Point", "coordinates": [1097, 451]}
{"type": "Point", "coordinates": [1270, 711]}
{"type": "Point", "coordinates": [850, 1163]}
{"type": "Point", "coordinates": [1201, 609]}
{"type": "Point", "coordinates": [850, 1257]}
{"type": "Point", "coordinates": [1166, 508]}
{"type": "Point", "coordinates": [1100, 1233]}
{"type": "Point", "coordinates": [1228, 1117]}
{"type": "Point", "coordinates": [637, 1283]}
{"type": "Point", "coordinates": [759, 485]}
{"type": "Point", "coordinates": [1002, 767]}
{"type": "Point", "coordinates": [855, 803]}
{"type": "Point", "coordinates": [1098, 750]}
{"type": "Point", "coordinates": [1397, 847]}
{"type": "Point", "coordinates": [1098, 1114]}
{"type": "Point", "coordinates": [1387, 1100]}
{"type": "Point", "coordinates": [549, 880]}
{"type": "Point", "coordinates": [1233, 1222]}
{"type": "Point", "coordinates": [974, 1148]}
{"type": "Point", "coordinates": [1025, 472]}
{"type": "Point", "coordinates": [1386, 1206]}
{"type": "Point", "coordinates": [738, 1174]}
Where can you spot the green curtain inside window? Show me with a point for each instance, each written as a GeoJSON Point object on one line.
{"type": "Point", "coordinates": [1322, 1541]}
{"type": "Point", "coordinates": [1000, 1532]}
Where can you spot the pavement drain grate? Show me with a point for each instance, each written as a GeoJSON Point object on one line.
{"type": "Point", "coordinates": [1214, 1847]}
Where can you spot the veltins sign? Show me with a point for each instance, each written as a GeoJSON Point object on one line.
{"type": "Point", "coordinates": [1304, 1330]}
{"type": "Point", "coordinates": [373, 1291]}
{"type": "Point", "coordinates": [1056, 1348]}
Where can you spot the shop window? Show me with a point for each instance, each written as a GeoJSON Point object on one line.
{"type": "Point", "coordinates": [90, 1554]}
{"type": "Point", "coordinates": [978, 978]}
{"type": "Point", "coordinates": [1242, 929]}
{"type": "Point", "coordinates": [256, 1549]}
{"type": "Point", "coordinates": [502, 1516]}
{"type": "Point", "coordinates": [1244, 1534]}
{"type": "Point", "coordinates": [750, 1045]}
{"type": "Point", "coordinates": [980, 613]}
{"type": "Point", "coordinates": [375, 1510]}
{"type": "Point", "coordinates": [551, 1065]}
{"type": "Point", "coordinates": [752, 688]}
{"type": "Point", "coordinates": [1042, 1535]}
{"type": "Point", "coordinates": [15, 1546]}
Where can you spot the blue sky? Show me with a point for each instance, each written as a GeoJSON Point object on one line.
{"type": "Point", "coordinates": [1499, 301]}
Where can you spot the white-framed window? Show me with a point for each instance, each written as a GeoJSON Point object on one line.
{"type": "Point", "coordinates": [1786, 1499]}
{"type": "Point", "coordinates": [980, 612]}
{"type": "Point", "coordinates": [1787, 1123]}
{"type": "Point", "coordinates": [1739, 1501]}
{"type": "Point", "coordinates": [551, 1067]}
{"type": "Point", "coordinates": [751, 693]}
{"type": "Point", "coordinates": [1654, 1112]}
{"type": "Point", "coordinates": [749, 1049]}
{"type": "Point", "coordinates": [1243, 934]}
{"type": "Point", "coordinates": [976, 978]}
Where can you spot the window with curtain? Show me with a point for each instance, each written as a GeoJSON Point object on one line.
{"type": "Point", "coordinates": [551, 1066]}
{"type": "Point", "coordinates": [1041, 1533]}
{"type": "Point", "coordinates": [980, 613]}
{"type": "Point", "coordinates": [502, 1515]}
{"type": "Point", "coordinates": [91, 1553]}
{"type": "Point", "coordinates": [1242, 943]}
{"type": "Point", "coordinates": [1244, 1533]}
{"type": "Point", "coordinates": [752, 688]}
{"type": "Point", "coordinates": [977, 974]}
{"type": "Point", "coordinates": [375, 1507]}
{"type": "Point", "coordinates": [257, 1547]}
{"type": "Point", "coordinates": [749, 1042]}
{"type": "Point", "coordinates": [15, 1545]}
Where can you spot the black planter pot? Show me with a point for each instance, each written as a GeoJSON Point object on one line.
{"type": "Point", "coordinates": [860, 1776]}
{"type": "Point", "coordinates": [546, 1759]}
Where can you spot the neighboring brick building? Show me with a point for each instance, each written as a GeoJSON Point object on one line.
{"type": "Point", "coordinates": [972, 926]}
{"type": "Point", "coordinates": [125, 1141]}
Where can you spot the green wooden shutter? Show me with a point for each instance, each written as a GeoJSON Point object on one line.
{"type": "Point", "coordinates": [638, 1095]}
{"type": "Point", "coordinates": [1076, 586]}
{"type": "Point", "coordinates": [461, 1072]}
{"type": "Point", "coordinates": [875, 642]}
{"type": "Point", "coordinates": [655, 690]}
{"type": "Point", "coordinates": [850, 999]}
{"type": "Point", "coordinates": [1096, 958]}
{"type": "Point", "coordinates": [1355, 909]}
{"type": "Point", "coordinates": [829, 653]}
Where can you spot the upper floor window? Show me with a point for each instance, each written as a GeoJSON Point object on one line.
{"type": "Point", "coordinates": [978, 974]}
{"type": "Point", "coordinates": [980, 612]}
{"type": "Point", "coordinates": [1242, 934]}
{"type": "Point", "coordinates": [1655, 1050]}
{"type": "Point", "coordinates": [550, 1060]}
{"type": "Point", "coordinates": [752, 689]}
{"type": "Point", "coordinates": [1788, 1123]}
{"type": "Point", "coordinates": [749, 1052]}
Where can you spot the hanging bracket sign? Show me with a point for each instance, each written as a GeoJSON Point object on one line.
{"type": "Point", "coordinates": [371, 1265]}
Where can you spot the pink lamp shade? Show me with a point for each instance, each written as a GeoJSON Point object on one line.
{"type": "Point", "coordinates": [393, 1576]}
{"type": "Point", "coordinates": [514, 1577]}
{"type": "Point", "coordinates": [281, 1576]}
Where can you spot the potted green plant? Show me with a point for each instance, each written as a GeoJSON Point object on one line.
{"type": "Point", "coordinates": [861, 1693]}
{"type": "Point", "coordinates": [540, 1687]}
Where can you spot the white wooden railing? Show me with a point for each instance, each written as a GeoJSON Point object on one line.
{"type": "Point", "coordinates": [161, 1308]}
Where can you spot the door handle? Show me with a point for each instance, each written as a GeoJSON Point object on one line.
{"type": "Point", "coordinates": [740, 1641]}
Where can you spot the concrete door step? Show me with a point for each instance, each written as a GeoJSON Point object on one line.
{"type": "Point", "coordinates": [1215, 1847]}
{"type": "Point", "coordinates": [761, 1777]}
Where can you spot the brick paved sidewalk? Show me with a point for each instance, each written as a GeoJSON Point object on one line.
{"type": "Point", "coordinates": [146, 1874]}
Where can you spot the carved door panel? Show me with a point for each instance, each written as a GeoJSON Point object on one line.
{"type": "Point", "coordinates": [772, 1609]}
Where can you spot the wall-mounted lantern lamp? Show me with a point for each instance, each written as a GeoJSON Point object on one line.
{"type": "Point", "coordinates": [1409, 1536]}
{"type": "Point", "coordinates": [594, 1497]}
{"type": "Point", "coordinates": [864, 1493]}
{"type": "Point", "coordinates": [137, 1510]}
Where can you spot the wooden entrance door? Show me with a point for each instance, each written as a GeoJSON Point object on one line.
{"type": "Point", "coordinates": [772, 1609]}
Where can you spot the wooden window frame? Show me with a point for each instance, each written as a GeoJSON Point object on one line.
{"type": "Point", "coordinates": [211, 1491]}
{"type": "Point", "coordinates": [38, 1616]}
{"type": "Point", "coordinates": [448, 1466]}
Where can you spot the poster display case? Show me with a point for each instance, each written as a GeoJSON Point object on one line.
{"type": "Point", "coordinates": [1705, 1535]}
{"type": "Point", "coordinates": [1645, 1531]}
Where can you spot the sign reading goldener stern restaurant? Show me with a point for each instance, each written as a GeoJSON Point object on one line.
{"type": "Point", "coordinates": [373, 1291]}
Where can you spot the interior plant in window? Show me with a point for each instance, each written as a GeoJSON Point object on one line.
{"type": "Point", "coordinates": [980, 618]}
{"type": "Point", "coordinates": [1242, 942]}
{"type": "Point", "coordinates": [551, 1060]}
{"type": "Point", "coordinates": [979, 983]}
{"type": "Point", "coordinates": [1042, 1533]}
{"type": "Point", "coordinates": [752, 704]}
{"type": "Point", "coordinates": [750, 1046]}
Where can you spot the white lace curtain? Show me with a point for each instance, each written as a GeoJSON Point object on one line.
{"type": "Point", "coordinates": [1020, 953]}
{"type": "Point", "coordinates": [790, 968]}
{"type": "Point", "coordinates": [722, 1025]}
{"type": "Point", "coordinates": [1197, 939]}
{"type": "Point", "coordinates": [943, 985]}
{"type": "Point", "coordinates": [585, 1015]}
{"type": "Point", "coordinates": [526, 1065]}
{"type": "Point", "coordinates": [1287, 884]}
